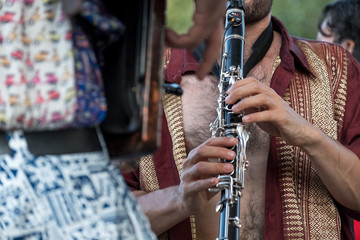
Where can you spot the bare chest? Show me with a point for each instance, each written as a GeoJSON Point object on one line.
{"type": "Point", "coordinates": [252, 201]}
{"type": "Point", "coordinates": [199, 110]}
{"type": "Point", "coordinates": [199, 103]}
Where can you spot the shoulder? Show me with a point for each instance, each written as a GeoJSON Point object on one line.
{"type": "Point", "coordinates": [331, 64]}
{"type": "Point", "coordinates": [323, 50]}
{"type": "Point", "coordinates": [330, 57]}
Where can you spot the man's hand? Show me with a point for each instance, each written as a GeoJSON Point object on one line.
{"type": "Point", "coordinates": [199, 173]}
{"type": "Point", "coordinates": [265, 107]}
{"type": "Point", "coordinates": [208, 25]}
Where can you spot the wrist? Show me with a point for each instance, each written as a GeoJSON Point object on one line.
{"type": "Point", "coordinates": [180, 202]}
{"type": "Point", "coordinates": [312, 140]}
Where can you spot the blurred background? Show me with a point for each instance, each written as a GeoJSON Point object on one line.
{"type": "Point", "coordinates": [299, 16]}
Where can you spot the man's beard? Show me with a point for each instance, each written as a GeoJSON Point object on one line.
{"type": "Point", "coordinates": [257, 10]}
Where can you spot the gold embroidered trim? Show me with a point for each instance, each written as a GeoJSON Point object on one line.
{"type": "Point", "coordinates": [148, 177]}
{"type": "Point", "coordinates": [276, 64]}
{"type": "Point", "coordinates": [193, 227]}
{"type": "Point", "coordinates": [305, 198]}
{"type": "Point", "coordinates": [339, 83]}
{"type": "Point", "coordinates": [149, 181]}
{"type": "Point", "coordinates": [173, 112]}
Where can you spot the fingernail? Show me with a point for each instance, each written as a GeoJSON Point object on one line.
{"type": "Point", "coordinates": [228, 167]}
{"type": "Point", "coordinates": [233, 108]}
{"type": "Point", "coordinates": [245, 118]}
{"type": "Point", "coordinates": [231, 154]}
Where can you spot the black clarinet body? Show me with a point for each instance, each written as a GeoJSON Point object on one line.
{"type": "Point", "coordinates": [229, 124]}
{"type": "Point", "coordinates": [233, 55]}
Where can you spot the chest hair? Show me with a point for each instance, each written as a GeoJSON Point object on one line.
{"type": "Point", "coordinates": [199, 103]}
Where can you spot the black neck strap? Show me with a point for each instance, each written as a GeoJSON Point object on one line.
{"type": "Point", "coordinates": [260, 48]}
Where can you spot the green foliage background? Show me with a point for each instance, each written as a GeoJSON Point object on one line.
{"type": "Point", "coordinates": [299, 16]}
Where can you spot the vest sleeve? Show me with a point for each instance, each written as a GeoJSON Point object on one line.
{"type": "Point", "coordinates": [351, 125]}
{"type": "Point", "coordinates": [351, 128]}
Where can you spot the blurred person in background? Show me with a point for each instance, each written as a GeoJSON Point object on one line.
{"type": "Point", "coordinates": [339, 23]}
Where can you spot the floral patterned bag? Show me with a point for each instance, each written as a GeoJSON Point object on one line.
{"type": "Point", "coordinates": [37, 86]}
{"type": "Point", "coordinates": [49, 75]}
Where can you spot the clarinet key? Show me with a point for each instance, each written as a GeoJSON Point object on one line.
{"type": "Point", "coordinates": [219, 207]}
{"type": "Point", "coordinates": [237, 222]}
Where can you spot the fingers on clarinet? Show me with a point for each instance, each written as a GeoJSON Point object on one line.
{"type": "Point", "coordinates": [212, 148]}
{"type": "Point", "coordinates": [245, 91]}
{"type": "Point", "coordinates": [221, 141]}
{"type": "Point", "coordinates": [217, 152]}
{"type": "Point", "coordinates": [201, 185]}
{"type": "Point", "coordinates": [253, 102]}
{"type": "Point", "coordinates": [243, 82]}
{"type": "Point", "coordinates": [264, 116]}
{"type": "Point", "coordinates": [204, 170]}
{"type": "Point", "coordinates": [207, 169]}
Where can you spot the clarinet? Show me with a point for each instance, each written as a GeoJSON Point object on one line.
{"type": "Point", "coordinates": [230, 124]}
